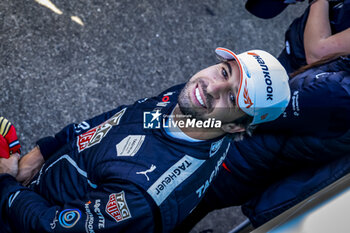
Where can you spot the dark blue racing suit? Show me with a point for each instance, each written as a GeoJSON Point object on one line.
{"type": "Point", "coordinates": [118, 172]}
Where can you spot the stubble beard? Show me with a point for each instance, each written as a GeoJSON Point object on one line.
{"type": "Point", "coordinates": [186, 106]}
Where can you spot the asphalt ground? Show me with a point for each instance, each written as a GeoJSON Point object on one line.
{"type": "Point", "coordinates": [84, 57]}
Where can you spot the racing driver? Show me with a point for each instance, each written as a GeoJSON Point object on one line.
{"type": "Point", "coordinates": [142, 167]}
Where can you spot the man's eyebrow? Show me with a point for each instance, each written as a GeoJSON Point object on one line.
{"type": "Point", "coordinates": [229, 67]}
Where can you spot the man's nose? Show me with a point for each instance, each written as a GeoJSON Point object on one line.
{"type": "Point", "coordinates": [216, 88]}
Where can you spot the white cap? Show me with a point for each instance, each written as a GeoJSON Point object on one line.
{"type": "Point", "coordinates": [263, 90]}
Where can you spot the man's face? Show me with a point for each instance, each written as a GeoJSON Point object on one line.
{"type": "Point", "coordinates": [211, 93]}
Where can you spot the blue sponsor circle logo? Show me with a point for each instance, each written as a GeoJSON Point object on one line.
{"type": "Point", "coordinates": [69, 217]}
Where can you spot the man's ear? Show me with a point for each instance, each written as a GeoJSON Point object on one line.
{"type": "Point", "coordinates": [232, 128]}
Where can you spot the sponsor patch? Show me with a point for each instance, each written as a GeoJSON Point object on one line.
{"type": "Point", "coordinates": [215, 146]}
{"type": "Point", "coordinates": [89, 223]}
{"type": "Point", "coordinates": [295, 103]}
{"type": "Point", "coordinates": [69, 217]}
{"type": "Point", "coordinates": [142, 100]}
{"type": "Point", "coordinates": [173, 177]}
{"type": "Point", "coordinates": [101, 218]}
{"type": "Point", "coordinates": [263, 117]}
{"type": "Point", "coordinates": [117, 207]}
{"type": "Point", "coordinates": [53, 224]}
{"type": "Point", "coordinates": [151, 169]}
{"type": "Point", "coordinates": [267, 77]}
{"type": "Point", "coordinates": [201, 190]}
{"type": "Point", "coordinates": [322, 75]}
{"type": "Point", "coordinates": [130, 145]}
{"type": "Point", "coordinates": [95, 135]}
{"type": "Point", "coordinates": [246, 97]}
{"type": "Point", "coordinates": [82, 126]}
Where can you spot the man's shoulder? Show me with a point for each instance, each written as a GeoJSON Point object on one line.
{"type": "Point", "coordinates": [165, 95]}
{"type": "Point", "coordinates": [176, 88]}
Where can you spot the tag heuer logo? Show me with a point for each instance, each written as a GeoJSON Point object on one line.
{"type": "Point", "coordinates": [117, 207]}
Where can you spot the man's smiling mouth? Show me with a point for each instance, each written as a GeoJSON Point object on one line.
{"type": "Point", "coordinates": [199, 98]}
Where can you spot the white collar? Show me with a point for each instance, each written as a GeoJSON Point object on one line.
{"type": "Point", "coordinates": [177, 133]}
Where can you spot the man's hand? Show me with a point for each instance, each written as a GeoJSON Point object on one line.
{"type": "Point", "coordinates": [10, 165]}
{"type": "Point", "coordinates": [29, 165]}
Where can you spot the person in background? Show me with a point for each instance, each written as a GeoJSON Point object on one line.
{"type": "Point", "coordinates": [321, 33]}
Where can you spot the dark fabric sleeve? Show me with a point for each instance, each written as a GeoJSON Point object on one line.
{"type": "Point", "coordinates": [247, 169]}
{"type": "Point", "coordinates": [49, 145]}
{"type": "Point", "coordinates": [261, 172]}
{"type": "Point", "coordinates": [319, 105]}
{"type": "Point", "coordinates": [314, 150]}
{"type": "Point", "coordinates": [293, 56]}
{"type": "Point", "coordinates": [293, 189]}
{"type": "Point", "coordinates": [112, 208]}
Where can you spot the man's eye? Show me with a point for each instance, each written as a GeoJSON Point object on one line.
{"type": "Point", "coordinates": [233, 99]}
{"type": "Point", "coordinates": [224, 73]}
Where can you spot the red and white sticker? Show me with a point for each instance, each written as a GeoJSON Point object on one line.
{"type": "Point", "coordinates": [84, 139]}
{"type": "Point", "coordinates": [117, 207]}
{"type": "Point", "coordinates": [95, 135]}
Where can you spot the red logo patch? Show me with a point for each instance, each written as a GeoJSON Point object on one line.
{"type": "Point", "coordinates": [253, 54]}
{"type": "Point", "coordinates": [165, 98]}
{"type": "Point", "coordinates": [84, 139]}
{"type": "Point", "coordinates": [263, 117]}
{"type": "Point", "coordinates": [247, 99]}
{"type": "Point", "coordinates": [95, 135]}
{"type": "Point", "coordinates": [117, 207]}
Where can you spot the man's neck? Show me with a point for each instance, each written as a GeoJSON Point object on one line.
{"type": "Point", "coordinates": [194, 132]}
